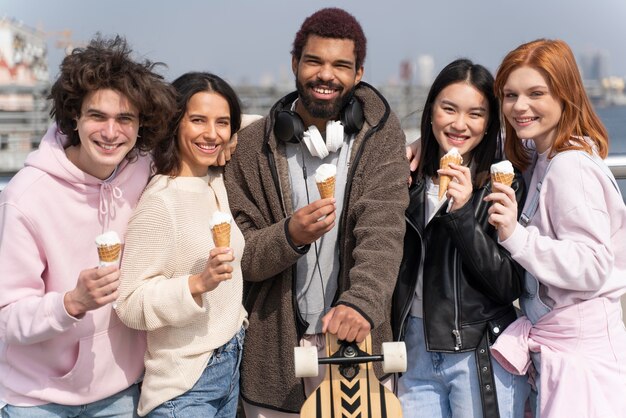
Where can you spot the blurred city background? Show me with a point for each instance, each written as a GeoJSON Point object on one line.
{"type": "Point", "coordinates": [248, 43]}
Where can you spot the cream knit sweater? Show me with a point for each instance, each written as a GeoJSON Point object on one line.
{"type": "Point", "coordinates": [169, 239]}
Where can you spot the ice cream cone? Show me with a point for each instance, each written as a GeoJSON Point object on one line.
{"type": "Point", "coordinates": [109, 248]}
{"type": "Point", "coordinates": [502, 172]}
{"type": "Point", "coordinates": [326, 187]}
{"type": "Point", "coordinates": [445, 162]}
{"type": "Point", "coordinates": [109, 253]}
{"type": "Point", "coordinates": [221, 234]}
{"type": "Point", "coordinates": [504, 178]}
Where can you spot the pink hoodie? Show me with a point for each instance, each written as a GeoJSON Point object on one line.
{"type": "Point", "coordinates": [50, 214]}
{"type": "Point", "coordinates": [575, 244]}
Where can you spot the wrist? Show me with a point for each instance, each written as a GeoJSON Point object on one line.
{"type": "Point", "coordinates": [300, 248]}
{"type": "Point", "coordinates": [195, 285]}
{"type": "Point", "coordinates": [72, 307]}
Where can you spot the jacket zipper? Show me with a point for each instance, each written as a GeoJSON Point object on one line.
{"type": "Point", "coordinates": [456, 331]}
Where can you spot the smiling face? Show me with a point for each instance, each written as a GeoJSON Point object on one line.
{"type": "Point", "coordinates": [107, 127]}
{"type": "Point", "coordinates": [459, 118]}
{"type": "Point", "coordinates": [203, 130]}
{"type": "Point", "coordinates": [325, 74]}
{"type": "Point", "coordinates": [530, 107]}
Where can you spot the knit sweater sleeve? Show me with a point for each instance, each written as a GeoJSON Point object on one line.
{"type": "Point", "coordinates": [569, 245]}
{"type": "Point", "coordinates": [150, 297]}
{"type": "Point", "coordinates": [28, 313]}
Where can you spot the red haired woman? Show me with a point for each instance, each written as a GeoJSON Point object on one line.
{"type": "Point", "coordinates": [571, 237]}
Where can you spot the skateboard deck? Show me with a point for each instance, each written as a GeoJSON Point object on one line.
{"type": "Point", "coordinates": [350, 391]}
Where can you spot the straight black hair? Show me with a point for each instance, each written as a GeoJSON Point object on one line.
{"type": "Point", "coordinates": [489, 149]}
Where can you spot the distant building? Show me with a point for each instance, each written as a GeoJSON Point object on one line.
{"type": "Point", "coordinates": [425, 70]}
{"type": "Point", "coordinates": [24, 85]}
{"type": "Point", "coordinates": [595, 65]}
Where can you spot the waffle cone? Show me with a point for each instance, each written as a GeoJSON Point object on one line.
{"type": "Point", "coordinates": [327, 187]}
{"type": "Point", "coordinates": [504, 178]}
{"type": "Point", "coordinates": [444, 181]}
{"type": "Point", "coordinates": [221, 234]}
{"type": "Point", "coordinates": [109, 253]}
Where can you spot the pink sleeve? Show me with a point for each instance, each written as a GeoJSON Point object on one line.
{"type": "Point", "coordinates": [571, 246]}
{"type": "Point", "coordinates": [27, 313]}
{"type": "Point", "coordinates": [511, 348]}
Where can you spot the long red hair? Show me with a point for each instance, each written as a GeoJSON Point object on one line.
{"type": "Point", "coordinates": [555, 61]}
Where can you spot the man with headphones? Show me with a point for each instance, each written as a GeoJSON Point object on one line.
{"type": "Point", "coordinates": [315, 265]}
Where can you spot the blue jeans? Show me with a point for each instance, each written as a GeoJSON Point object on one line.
{"type": "Point", "coordinates": [122, 404]}
{"type": "Point", "coordinates": [447, 385]}
{"type": "Point", "coordinates": [216, 393]}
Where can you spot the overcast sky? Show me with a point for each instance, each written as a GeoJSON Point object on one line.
{"type": "Point", "coordinates": [250, 40]}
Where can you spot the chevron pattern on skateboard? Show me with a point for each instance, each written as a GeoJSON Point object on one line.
{"type": "Point", "coordinates": [350, 391]}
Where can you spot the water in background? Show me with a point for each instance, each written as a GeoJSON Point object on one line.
{"type": "Point", "coordinates": [614, 118]}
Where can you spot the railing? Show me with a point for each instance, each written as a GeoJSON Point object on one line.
{"type": "Point", "coordinates": [617, 164]}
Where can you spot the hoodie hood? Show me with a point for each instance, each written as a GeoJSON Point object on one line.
{"type": "Point", "coordinates": [51, 159]}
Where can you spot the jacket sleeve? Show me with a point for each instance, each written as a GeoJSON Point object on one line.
{"type": "Point", "coordinates": [252, 196]}
{"type": "Point", "coordinates": [150, 297]}
{"type": "Point", "coordinates": [380, 188]}
{"type": "Point", "coordinates": [29, 313]}
{"type": "Point", "coordinates": [573, 250]}
{"type": "Point", "coordinates": [491, 268]}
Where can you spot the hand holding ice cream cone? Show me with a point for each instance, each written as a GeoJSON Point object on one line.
{"type": "Point", "coordinates": [220, 228]}
{"type": "Point", "coordinates": [109, 248]}
{"type": "Point", "coordinates": [451, 157]}
{"type": "Point", "coordinates": [325, 178]}
{"type": "Point", "coordinates": [505, 213]}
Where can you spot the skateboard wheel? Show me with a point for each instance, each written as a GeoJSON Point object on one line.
{"type": "Point", "coordinates": [305, 361]}
{"type": "Point", "coordinates": [394, 357]}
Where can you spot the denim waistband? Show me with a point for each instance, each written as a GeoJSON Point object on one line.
{"type": "Point", "coordinates": [235, 342]}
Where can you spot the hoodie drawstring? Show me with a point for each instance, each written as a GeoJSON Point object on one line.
{"type": "Point", "coordinates": [108, 193]}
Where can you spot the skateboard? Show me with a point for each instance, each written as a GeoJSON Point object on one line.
{"type": "Point", "coordinates": [350, 388]}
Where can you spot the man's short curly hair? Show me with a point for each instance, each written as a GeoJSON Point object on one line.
{"type": "Point", "coordinates": [107, 64]}
{"type": "Point", "coordinates": [334, 23]}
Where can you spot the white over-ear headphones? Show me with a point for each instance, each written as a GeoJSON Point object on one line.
{"type": "Point", "coordinates": [314, 142]}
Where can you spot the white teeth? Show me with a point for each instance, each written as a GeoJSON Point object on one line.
{"type": "Point", "coordinates": [108, 147]}
{"type": "Point", "coordinates": [524, 120]}
{"type": "Point", "coordinates": [206, 146]}
{"type": "Point", "coordinates": [323, 91]}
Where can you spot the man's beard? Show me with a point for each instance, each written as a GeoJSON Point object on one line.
{"type": "Point", "coordinates": [322, 109]}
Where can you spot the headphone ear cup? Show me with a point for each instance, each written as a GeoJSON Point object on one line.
{"type": "Point", "coordinates": [334, 135]}
{"type": "Point", "coordinates": [352, 116]}
{"type": "Point", "coordinates": [288, 126]}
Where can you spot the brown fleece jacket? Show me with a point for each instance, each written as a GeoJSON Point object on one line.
{"type": "Point", "coordinates": [371, 239]}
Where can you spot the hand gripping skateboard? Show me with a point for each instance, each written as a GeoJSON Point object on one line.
{"type": "Point", "coordinates": [350, 388]}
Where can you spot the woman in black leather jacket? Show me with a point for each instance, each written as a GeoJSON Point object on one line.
{"type": "Point", "coordinates": [456, 284]}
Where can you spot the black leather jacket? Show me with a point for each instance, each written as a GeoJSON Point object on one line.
{"type": "Point", "coordinates": [469, 281]}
